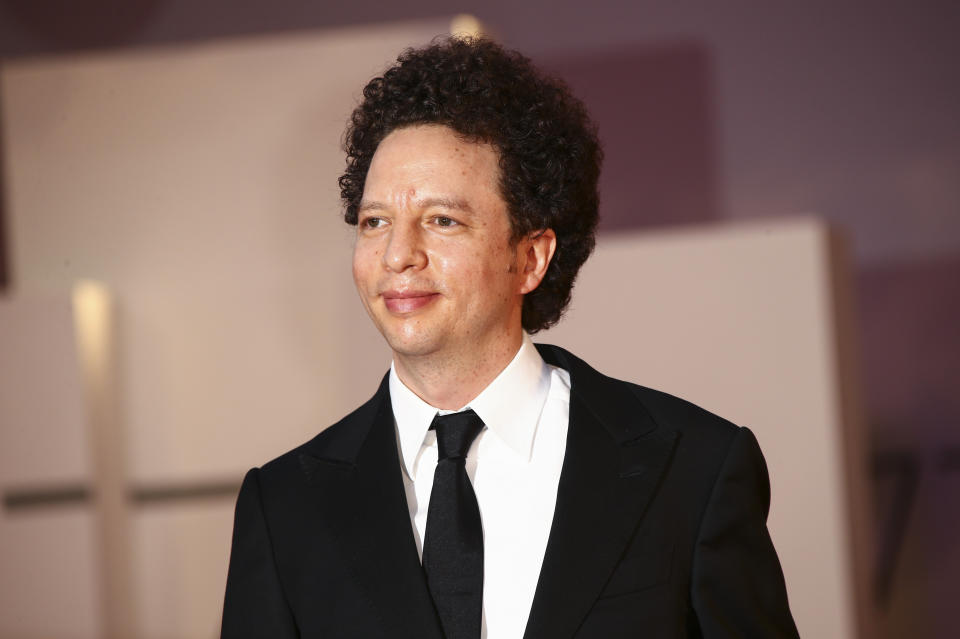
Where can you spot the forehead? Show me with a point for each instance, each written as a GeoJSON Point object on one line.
{"type": "Point", "coordinates": [432, 161]}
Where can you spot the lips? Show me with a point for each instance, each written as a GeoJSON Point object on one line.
{"type": "Point", "coordinates": [407, 301]}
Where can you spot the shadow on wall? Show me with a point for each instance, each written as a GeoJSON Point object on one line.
{"type": "Point", "coordinates": [654, 108]}
{"type": "Point", "coordinates": [59, 25]}
{"type": "Point", "coordinates": [909, 314]}
{"type": "Point", "coordinates": [4, 264]}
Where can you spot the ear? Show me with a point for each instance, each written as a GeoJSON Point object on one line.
{"type": "Point", "coordinates": [536, 251]}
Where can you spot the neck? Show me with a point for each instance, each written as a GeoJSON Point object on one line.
{"type": "Point", "coordinates": [449, 382]}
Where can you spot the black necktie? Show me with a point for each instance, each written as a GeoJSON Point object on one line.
{"type": "Point", "coordinates": [453, 543]}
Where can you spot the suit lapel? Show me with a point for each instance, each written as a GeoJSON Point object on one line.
{"type": "Point", "coordinates": [615, 456]}
{"type": "Point", "coordinates": [359, 490]}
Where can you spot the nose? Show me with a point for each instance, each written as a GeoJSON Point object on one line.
{"type": "Point", "coordinates": [404, 248]}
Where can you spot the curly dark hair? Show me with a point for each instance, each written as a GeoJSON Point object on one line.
{"type": "Point", "coordinates": [549, 153]}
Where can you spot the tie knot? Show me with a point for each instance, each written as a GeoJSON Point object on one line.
{"type": "Point", "coordinates": [455, 433]}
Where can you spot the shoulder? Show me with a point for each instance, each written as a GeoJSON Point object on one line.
{"type": "Point", "coordinates": [337, 443]}
{"type": "Point", "coordinates": [685, 416]}
{"type": "Point", "coordinates": [614, 399]}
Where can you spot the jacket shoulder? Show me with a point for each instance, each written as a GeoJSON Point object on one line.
{"type": "Point", "coordinates": [681, 414]}
{"type": "Point", "coordinates": [614, 398]}
{"type": "Point", "coordinates": [339, 442]}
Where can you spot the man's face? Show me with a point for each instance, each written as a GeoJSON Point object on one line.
{"type": "Point", "coordinates": [433, 261]}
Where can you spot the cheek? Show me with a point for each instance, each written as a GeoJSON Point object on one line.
{"type": "Point", "coordinates": [364, 264]}
{"type": "Point", "coordinates": [357, 272]}
{"type": "Point", "coordinates": [466, 272]}
{"type": "Point", "coordinates": [492, 278]}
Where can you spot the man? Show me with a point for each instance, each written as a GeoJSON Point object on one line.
{"type": "Point", "coordinates": [490, 487]}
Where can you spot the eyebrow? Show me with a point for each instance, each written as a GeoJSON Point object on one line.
{"type": "Point", "coordinates": [454, 204]}
{"type": "Point", "coordinates": [367, 205]}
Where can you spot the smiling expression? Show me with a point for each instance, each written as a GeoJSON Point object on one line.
{"type": "Point", "coordinates": [433, 261]}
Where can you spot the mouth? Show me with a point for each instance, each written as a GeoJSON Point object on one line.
{"type": "Point", "coordinates": [407, 301]}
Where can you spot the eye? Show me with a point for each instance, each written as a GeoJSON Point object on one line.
{"type": "Point", "coordinates": [442, 220]}
{"type": "Point", "coordinates": [372, 222]}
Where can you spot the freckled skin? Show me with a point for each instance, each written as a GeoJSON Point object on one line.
{"type": "Point", "coordinates": [434, 265]}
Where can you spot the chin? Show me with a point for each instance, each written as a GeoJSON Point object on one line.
{"type": "Point", "coordinates": [411, 344]}
{"type": "Point", "coordinates": [412, 348]}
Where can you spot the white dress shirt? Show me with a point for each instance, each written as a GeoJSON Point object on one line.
{"type": "Point", "coordinates": [514, 464]}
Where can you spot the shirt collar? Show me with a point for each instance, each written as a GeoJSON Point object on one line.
{"type": "Point", "coordinates": [509, 406]}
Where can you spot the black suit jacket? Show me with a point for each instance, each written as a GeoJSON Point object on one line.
{"type": "Point", "coordinates": [659, 530]}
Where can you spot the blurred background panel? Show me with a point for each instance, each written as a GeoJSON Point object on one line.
{"type": "Point", "coordinates": [214, 163]}
{"type": "Point", "coordinates": [751, 321]}
{"type": "Point", "coordinates": [197, 185]}
{"type": "Point", "coordinates": [50, 576]}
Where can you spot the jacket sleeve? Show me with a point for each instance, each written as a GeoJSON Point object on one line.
{"type": "Point", "coordinates": [254, 605]}
{"type": "Point", "coordinates": [737, 587]}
